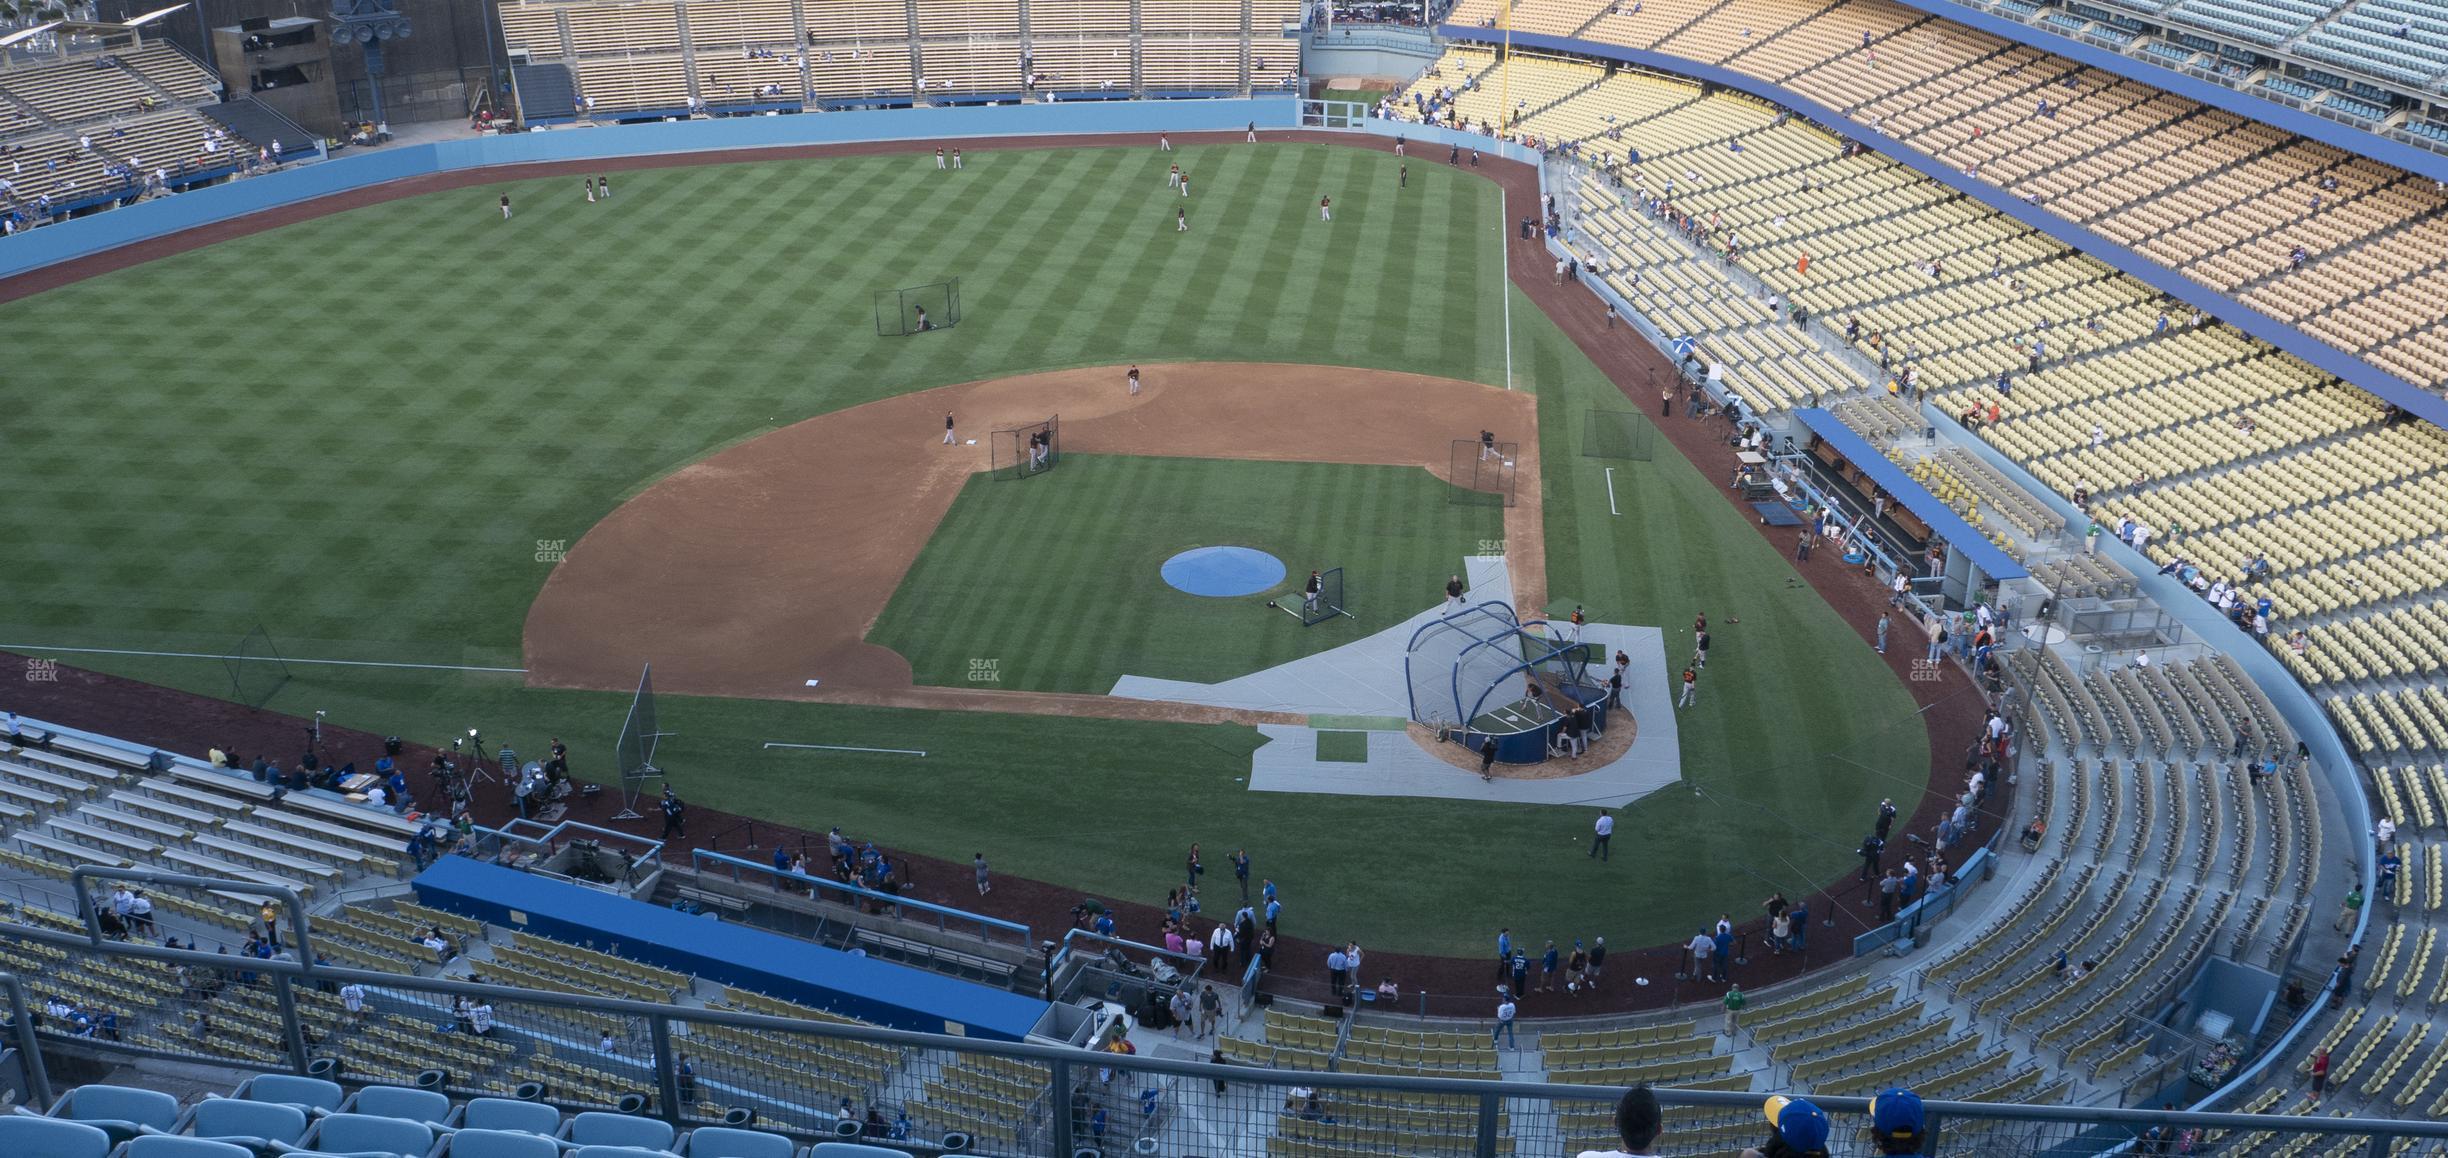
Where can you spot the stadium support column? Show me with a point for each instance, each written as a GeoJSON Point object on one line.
{"type": "Point", "coordinates": [909, 13]}
{"type": "Point", "coordinates": [1028, 52]}
{"type": "Point", "coordinates": [688, 53]}
{"type": "Point", "coordinates": [1138, 37]}
{"type": "Point", "coordinates": [1249, 47]}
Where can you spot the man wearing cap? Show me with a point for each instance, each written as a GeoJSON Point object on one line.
{"type": "Point", "coordinates": [1798, 1130]}
{"type": "Point", "coordinates": [1896, 1121]}
{"type": "Point", "coordinates": [1638, 1121]}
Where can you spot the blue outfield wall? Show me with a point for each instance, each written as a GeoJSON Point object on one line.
{"type": "Point", "coordinates": [2320, 354]}
{"type": "Point", "coordinates": [895, 996]}
{"type": "Point", "coordinates": [85, 236]}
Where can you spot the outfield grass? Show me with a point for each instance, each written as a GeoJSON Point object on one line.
{"type": "Point", "coordinates": [1056, 579]}
{"type": "Point", "coordinates": [375, 483]}
{"type": "Point", "coordinates": [363, 449]}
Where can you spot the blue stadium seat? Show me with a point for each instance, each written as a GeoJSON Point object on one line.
{"type": "Point", "coordinates": [596, 1128]}
{"type": "Point", "coordinates": [310, 1094]}
{"type": "Point", "coordinates": [502, 1144]}
{"type": "Point", "coordinates": [725, 1142]}
{"type": "Point", "coordinates": [27, 1136]}
{"type": "Point", "coordinates": [123, 1112]}
{"type": "Point", "coordinates": [618, 1152]}
{"type": "Point", "coordinates": [254, 1125]}
{"type": "Point", "coordinates": [167, 1146]}
{"type": "Point", "coordinates": [367, 1134]}
{"type": "Point", "coordinates": [510, 1114]}
{"type": "Point", "coordinates": [851, 1150]}
{"type": "Point", "coordinates": [400, 1102]}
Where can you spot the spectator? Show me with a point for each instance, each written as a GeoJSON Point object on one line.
{"type": "Point", "coordinates": [1504, 1024]}
{"type": "Point", "coordinates": [1733, 1006]}
{"type": "Point", "coordinates": [1896, 1121]}
{"type": "Point", "coordinates": [1798, 1130]}
{"type": "Point", "coordinates": [1702, 946]}
{"type": "Point", "coordinates": [1638, 1121]}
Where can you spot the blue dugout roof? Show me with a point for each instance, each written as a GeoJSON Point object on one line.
{"type": "Point", "coordinates": [1959, 536]}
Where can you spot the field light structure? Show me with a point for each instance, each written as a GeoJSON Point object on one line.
{"type": "Point", "coordinates": [369, 23]}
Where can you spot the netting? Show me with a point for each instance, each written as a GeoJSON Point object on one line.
{"type": "Point", "coordinates": [1621, 434]}
{"type": "Point", "coordinates": [1482, 471]}
{"type": "Point", "coordinates": [1025, 451]}
{"type": "Point", "coordinates": [256, 669]}
{"type": "Point", "coordinates": [918, 309]}
{"type": "Point", "coordinates": [637, 735]}
{"type": "Point", "coordinates": [1329, 602]}
{"type": "Point", "coordinates": [1452, 662]}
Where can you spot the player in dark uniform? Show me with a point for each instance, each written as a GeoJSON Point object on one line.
{"type": "Point", "coordinates": [1309, 594]}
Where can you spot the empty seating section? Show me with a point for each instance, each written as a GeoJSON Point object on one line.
{"type": "Point", "coordinates": [1190, 65]}
{"type": "Point", "coordinates": [2366, 37]}
{"type": "Point", "coordinates": [623, 29]}
{"type": "Point", "coordinates": [740, 24]}
{"type": "Point", "coordinates": [857, 20]}
{"type": "Point", "coordinates": [1081, 63]}
{"type": "Point", "coordinates": [534, 27]}
{"type": "Point", "coordinates": [630, 84]}
{"type": "Point", "coordinates": [2224, 200]}
{"type": "Point", "coordinates": [85, 89]}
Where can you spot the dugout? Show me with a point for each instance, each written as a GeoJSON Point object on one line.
{"type": "Point", "coordinates": [886, 994]}
{"type": "Point", "coordinates": [1481, 672]}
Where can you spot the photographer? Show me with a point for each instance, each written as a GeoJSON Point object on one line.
{"type": "Point", "coordinates": [1798, 1130]}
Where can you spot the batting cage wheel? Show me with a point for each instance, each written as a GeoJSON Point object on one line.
{"type": "Point", "coordinates": [917, 309]}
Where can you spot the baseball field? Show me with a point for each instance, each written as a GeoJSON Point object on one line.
{"type": "Point", "coordinates": [378, 434]}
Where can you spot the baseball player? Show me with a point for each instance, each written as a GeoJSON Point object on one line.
{"type": "Point", "coordinates": [1173, 179]}
{"type": "Point", "coordinates": [1134, 381]}
{"type": "Point", "coordinates": [590, 187]}
{"type": "Point", "coordinates": [956, 160]}
{"type": "Point", "coordinates": [1405, 181]}
{"type": "Point", "coordinates": [1253, 132]}
{"type": "Point", "coordinates": [1185, 184]}
{"type": "Point", "coordinates": [505, 207]}
{"type": "Point", "coordinates": [1164, 142]}
{"type": "Point", "coordinates": [603, 185]}
{"type": "Point", "coordinates": [1325, 208]}
{"type": "Point", "coordinates": [939, 158]}
{"type": "Point", "coordinates": [1181, 221]}
{"type": "Point", "coordinates": [947, 428]}
{"type": "Point", "coordinates": [1487, 445]}
{"type": "Point", "coordinates": [1309, 593]}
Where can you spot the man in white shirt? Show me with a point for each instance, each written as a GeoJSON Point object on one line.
{"type": "Point", "coordinates": [1504, 1024]}
{"type": "Point", "coordinates": [352, 998]}
{"type": "Point", "coordinates": [1605, 833]}
{"type": "Point", "coordinates": [480, 1019]}
{"type": "Point", "coordinates": [1638, 1122]}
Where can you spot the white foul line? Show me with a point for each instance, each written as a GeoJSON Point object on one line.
{"type": "Point", "coordinates": [1504, 289]}
{"type": "Point", "coordinates": [1611, 492]}
{"type": "Point", "coordinates": [256, 658]}
{"type": "Point", "coordinates": [848, 748]}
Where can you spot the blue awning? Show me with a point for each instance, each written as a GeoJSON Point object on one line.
{"type": "Point", "coordinates": [1949, 527]}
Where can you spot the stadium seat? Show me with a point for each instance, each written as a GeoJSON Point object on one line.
{"type": "Point", "coordinates": [258, 1126]}
{"type": "Point", "coordinates": [597, 1128]}
{"type": "Point", "coordinates": [310, 1094]}
{"type": "Point", "coordinates": [850, 1150]}
{"type": "Point", "coordinates": [167, 1146]}
{"type": "Point", "coordinates": [501, 1144]}
{"type": "Point", "coordinates": [121, 1111]}
{"type": "Point", "coordinates": [725, 1142]}
{"type": "Point", "coordinates": [509, 1114]}
{"type": "Point", "coordinates": [366, 1134]}
{"type": "Point", "coordinates": [25, 1136]}
{"type": "Point", "coordinates": [618, 1152]}
{"type": "Point", "coordinates": [400, 1102]}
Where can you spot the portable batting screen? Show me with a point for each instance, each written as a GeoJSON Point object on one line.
{"type": "Point", "coordinates": [1328, 604]}
{"type": "Point", "coordinates": [1482, 471]}
{"type": "Point", "coordinates": [1025, 451]}
{"type": "Point", "coordinates": [634, 752]}
{"type": "Point", "coordinates": [900, 312]}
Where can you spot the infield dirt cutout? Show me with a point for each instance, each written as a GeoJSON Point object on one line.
{"type": "Point", "coordinates": [762, 568]}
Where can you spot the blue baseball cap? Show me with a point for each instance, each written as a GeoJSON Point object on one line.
{"type": "Point", "coordinates": [1797, 1121]}
{"type": "Point", "coordinates": [1896, 1113]}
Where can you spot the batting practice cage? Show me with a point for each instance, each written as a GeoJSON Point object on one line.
{"type": "Point", "coordinates": [1482, 472]}
{"type": "Point", "coordinates": [900, 312]}
{"type": "Point", "coordinates": [1026, 451]}
{"type": "Point", "coordinates": [1480, 673]}
{"type": "Point", "coordinates": [1329, 601]}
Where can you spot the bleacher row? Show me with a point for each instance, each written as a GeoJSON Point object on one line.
{"type": "Point", "coordinates": [72, 131]}
{"type": "Point", "coordinates": [2128, 160]}
{"type": "Point", "coordinates": [663, 57]}
{"type": "Point", "coordinates": [2227, 451]}
{"type": "Point", "coordinates": [69, 805]}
